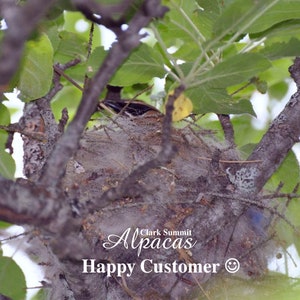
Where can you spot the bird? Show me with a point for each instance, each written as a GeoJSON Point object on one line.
{"type": "Point", "coordinates": [127, 107]}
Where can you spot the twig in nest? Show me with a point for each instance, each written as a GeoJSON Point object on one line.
{"type": "Point", "coordinates": [232, 161]}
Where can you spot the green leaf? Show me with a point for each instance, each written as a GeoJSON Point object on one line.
{"type": "Point", "coordinates": [235, 69]}
{"type": "Point", "coordinates": [72, 22]}
{"type": "Point", "coordinates": [4, 120]}
{"type": "Point", "coordinates": [282, 10]}
{"type": "Point", "coordinates": [262, 86]}
{"type": "Point", "coordinates": [4, 225]}
{"type": "Point", "coordinates": [278, 90]}
{"type": "Point", "coordinates": [68, 97]}
{"type": "Point", "coordinates": [249, 137]}
{"type": "Point", "coordinates": [237, 16]}
{"type": "Point", "coordinates": [188, 25]}
{"type": "Point", "coordinates": [271, 287]}
{"type": "Point", "coordinates": [284, 31]}
{"type": "Point", "coordinates": [36, 72]}
{"type": "Point", "coordinates": [95, 60]}
{"type": "Point", "coordinates": [278, 72]}
{"type": "Point", "coordinates": [250, 16]}
{"type": "Point", "coordinates": [181, 22]}
{"type": "Point", "coordinates": [7, 165]}
{"type": "Point", "coordinates": [207, 99]}
{"type": "Point", "coordinates": [77, 73]}
{"type": "Point", "coordinates": [207, 13]}
{"type": "Point", "coordinates": [71, 45]}
{"type": "Point", "coordinates": [143, 64]}
{"type": "Point", "coordinates": [288, 173]}
{"type": "Point", "coordinates": [282, 49]}
{"type": "Point", "coordinates": [42, 294]}
{"type": "Point", "coordinates": [12, 279]}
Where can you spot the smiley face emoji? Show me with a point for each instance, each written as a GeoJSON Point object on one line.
{"type": "Point", "coordinates": [232, 265]}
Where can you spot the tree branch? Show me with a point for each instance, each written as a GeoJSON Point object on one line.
{"type": "Point", "coordinates": [127, 41]}
{"type": "Point", "coordinates": [104, 14]}
{"type": "Point", "coordinates": [227, 129]}
{"type": "Point", "coordinates": [21, 21]}
{"type": "Point", "coordinates": [22, 202]}
{"type": "Point", "coordinates": [283, 133]}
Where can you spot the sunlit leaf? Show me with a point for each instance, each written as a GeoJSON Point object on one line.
{"type": "Point", "coordinates": [36, 73]}
{"type": "Point", "coordinates": [181, 22]}
{"type": "Point", "coordinates": [76, 23]}
{"type": "Point", "coordinates": [142, 65]}
{"type": "Point", "coordinates": [234, 70]}
{"type": "Point", "coordinates": [70, 46]}
{"type": "Point", "coordinates": [249, 16]}
{"type": "Point", "coordinates": [4, 120]}
{"type": "Point", "coordinates": [187, 26]}
{"type": "Point", "coordinates": [68, 97]}
{"type": "Point", "coordinates": [278, 72]}
{"type": "Point", "coordinates": [183, 106]}
{"type": "Point", "coordinates": [250, 136]}
{"type": "Point", "coordinates": [7, 165]}
{"type": "Point", "coordinates": [12, 279]}
{"type": "Point", "coordinates": [238, 15]}
{"type": "Point", "coordinates": [288, 173]}
{"type": "Point", "coordinates": [207, 13]}
{"type": "Point", "coordinates": [279, 11]}
{"type": "Point", "coordinates": [270, 287]}
{"type": "Point", "coordinates": [40, 295]}
{"type": "Point", "coordinates": [4, 225]}
{"type": "Point", "coordinates": [95, 60]}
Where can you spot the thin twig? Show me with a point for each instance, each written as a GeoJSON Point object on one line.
{"type": "Point", "coordinates": [231, 161]}
{"type": "Point", "coordinates": [227, 129]}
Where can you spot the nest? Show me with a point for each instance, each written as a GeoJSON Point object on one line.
{"type": "Point", "coordinates": [171, 220]}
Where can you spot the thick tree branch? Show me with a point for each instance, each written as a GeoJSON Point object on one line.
{"type": "Point", "coordinates": [104, 14]}
{"type": "Point", "coordinates": [283, 133]}
{"type": "Point", "coordinates": [127, 41]}
{"type": "Point", "coordinates": [22, 202]}
{"type": "Point", "coordinates": [21, 21]}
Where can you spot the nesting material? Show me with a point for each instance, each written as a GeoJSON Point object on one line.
{"type": "Point", "coordinates": [175, 221]}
